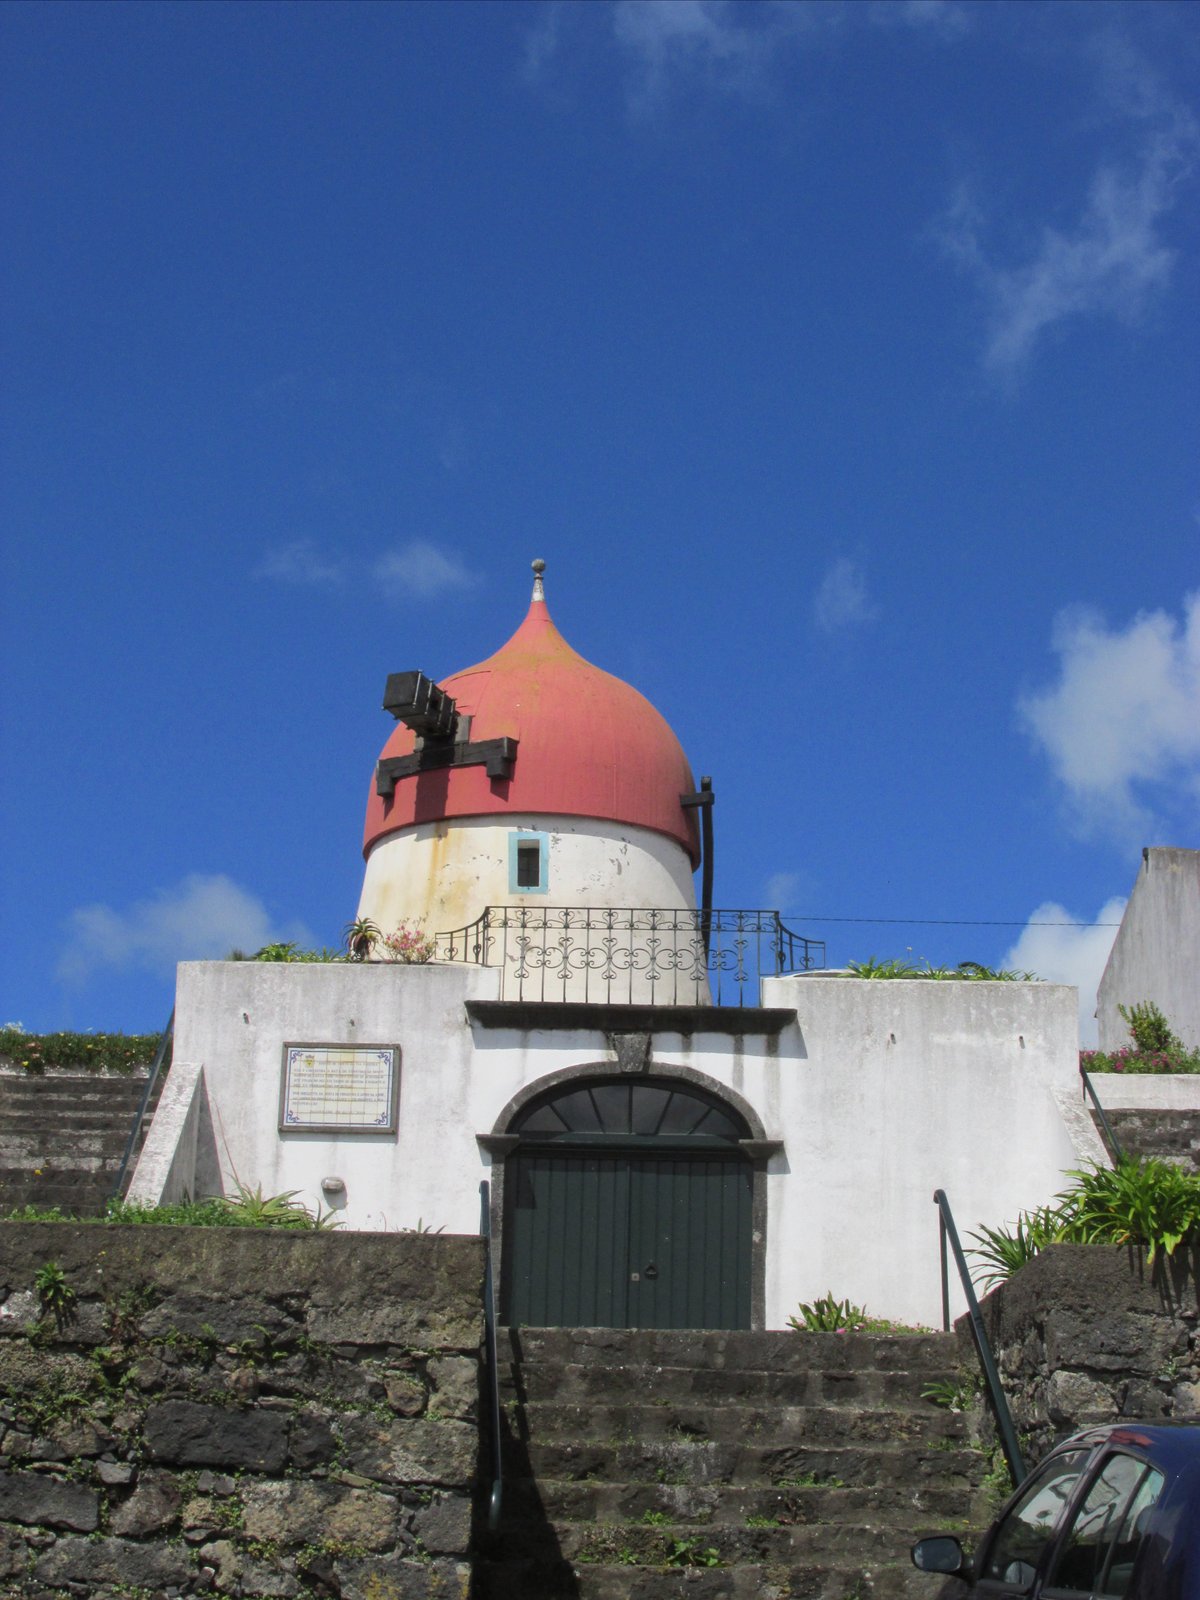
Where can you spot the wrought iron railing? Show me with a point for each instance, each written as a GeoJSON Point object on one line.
{"type": "Point", "coordinates": [623, 955]}
{"type": "Point", "coordinates": [948, 1234]}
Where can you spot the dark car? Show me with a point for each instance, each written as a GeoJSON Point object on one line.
{"type": "Point", "coordinates": [1112, 1511]}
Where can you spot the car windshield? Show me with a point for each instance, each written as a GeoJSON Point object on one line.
{"type": "Point", "coordinates": [1022, 1537]}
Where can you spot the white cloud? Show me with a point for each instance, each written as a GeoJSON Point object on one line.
{"type": "Point", "coordinates": [201, 917]}
{"type": "Point", "coordinates": [301, 563]}
{"type": "Point", "coordinates": [941, 18]}
{"type": "Point", "coordinates": [728, 44]}
{"type": "Point", "coordinates": [1113, 259]}
{"type": "Point", "coordinates": [1123, 717]}
{"type": "Point", "coordinates": [842, 600]}
{"type": "Point", "coordinates": [1069, 955]}
{"type": "Point", "coordinates": [419, 571]}
{"type": "Point", "coordinates": [543, 38]}
{"type": "Point", "coordinates": [782, 890]}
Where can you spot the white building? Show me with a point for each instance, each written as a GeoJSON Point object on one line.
{"type": "Point", "coordinates": [1156, 954]}
{"type": "Point", "coordinates": [681, 1121]}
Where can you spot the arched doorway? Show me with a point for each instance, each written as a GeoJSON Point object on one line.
{"type": "Point", "coordinates": [628, 1203]}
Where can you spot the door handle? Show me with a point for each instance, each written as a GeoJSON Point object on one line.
{"type": "Point", "coordinates": [651, 1271]}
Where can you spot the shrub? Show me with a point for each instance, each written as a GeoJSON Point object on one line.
{"type": "Point", "coordinates": [91, 1052]}
{"type": "Point", "coordinates": [964, 972]}
{"type": "Point", "coordinates": [1144, 1202]}
{"type": "Point", "coordinates": [1153, 1047]}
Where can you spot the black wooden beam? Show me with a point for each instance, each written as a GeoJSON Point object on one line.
{"type": "Point", "coordinates": [497, 755]}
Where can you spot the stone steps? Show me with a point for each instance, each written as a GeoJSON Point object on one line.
{"type": "Point", "coordinates": [62, 1138]}
{"type": "Point", "coordinates": [727, 1464]}
{"type": "Point", "coordinates": [577, 1382]}
{"type": "Point", "coordinates": [830, 1501]}
{"type": "Point", "coordinates": [832, 1424]}
{"type": "Point", "coordinates": [1172, 1136]}
{"type": "Point", "coordinates": [538, 1580]}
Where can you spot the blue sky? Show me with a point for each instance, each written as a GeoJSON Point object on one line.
{"type": "Point", "coordinates": [840, 361]}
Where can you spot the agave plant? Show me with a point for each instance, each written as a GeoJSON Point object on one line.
{"type": "Point", "coordinates": [1003, 1251]}
{"type": "Point", "coordinates": [361, 937]}
{"type": "Point", "coordinates": [254, 1209]}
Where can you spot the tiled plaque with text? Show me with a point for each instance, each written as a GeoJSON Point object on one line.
{"type": "Point", "coordinates": [342, 1088]}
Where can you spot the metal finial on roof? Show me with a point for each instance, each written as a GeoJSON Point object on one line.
{"type": "Point", "coordinates": [539, 566]}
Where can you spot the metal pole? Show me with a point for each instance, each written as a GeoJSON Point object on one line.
{"type": "Point", "coordinates": [493, 1359]}
{"type": "Point", "coordinates": [1008, 1434]}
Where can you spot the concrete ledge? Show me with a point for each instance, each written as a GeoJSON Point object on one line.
{"type": "Point", "coordinates": [579, 1017]}
{"type": "Point", "coordinates": [1167, 1091]}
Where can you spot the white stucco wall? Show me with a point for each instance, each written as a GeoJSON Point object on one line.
{"type": "Point", "coordinates": [1156, 954]}
{"type": "Point", "coordinates": [897, 1089]}
{"type": "Point", "coordinates": [881, 1092]}
{"type": "Point", "coordinates": [443, 874]}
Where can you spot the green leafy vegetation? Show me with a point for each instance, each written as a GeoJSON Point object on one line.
{"type": "Point", "coordinates": [955, 1394]}
{"type": "Point", "coordinates": [829, 1315]}
{"type": "Point", "coordinates": [1144, 1202]}
{"type": "Point", "coordinates": [55, 1293]}
{"type": "Point", "coordinates": [964, 972]}
{"type": "Point", "coordinates": [247, 1209]}
{"type": "Point", "coordinates": [1153, 1046]}
{"type": "Point", "coordinates": [690, 1553]}
{"type": "Point", "coordinates": [88, 1052]}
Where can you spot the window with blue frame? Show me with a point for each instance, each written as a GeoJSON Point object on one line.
{"type": "Point", "coordinates": [528, 863]}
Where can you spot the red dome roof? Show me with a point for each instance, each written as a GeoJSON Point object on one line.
{"type": "Point", "coordinates": [590, 746]}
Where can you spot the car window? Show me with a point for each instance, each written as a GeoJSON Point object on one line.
{"type": "Point", "coordinates": [1105, 1520]}
{"type": "Point", "coordinates": [1022, 1537]}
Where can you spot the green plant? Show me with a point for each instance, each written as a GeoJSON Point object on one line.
{"type": "Point", "coordinates": [690, 1553]}
{"type": "Point", "coordinates": [360, 937]}
{"type": "Point", "coordinates": [55, 1293]}
{"type": "Point", "coordinates": [965, 972]}
{"type": "Point", "coordinates": [762, 1522]}
{"type": "Point", "coordinates": [258, 1210]}
{"type": "Point", "coordinates": [956, 1394]}
{"type": "Point", "coordinates": [1004, 1251]}
{"type": "Point", "coordinates": [1148, 1028]}
{"type": "Point", "coordinates": [91, 1052]}
{"type": "Point", "coordinates": [655, 1519]}
{"type": "Point", "coordinates": [288, 950]}
{"type": "Point", "coordinates": [1153, 1046]}
{"type": "Point", "coordinates": [827, 1315]}
{"type": "Point", "coordinates": [1145, 1202]}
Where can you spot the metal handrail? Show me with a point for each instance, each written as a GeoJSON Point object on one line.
{"type": "Point", "coordinates": [160, 1055]}
{"type": "Point", "coordinates": [492, 1355]}
{"type": "Point", "coordinates": [1089, 1091]}
{"type": "Point", "coordinates": [1004, 1421]}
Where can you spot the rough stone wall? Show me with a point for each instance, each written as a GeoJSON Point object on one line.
{"type": "Point", "coordinates": [237, 1412]}
{"type": "Point", "coordinates": [1090, 1333]}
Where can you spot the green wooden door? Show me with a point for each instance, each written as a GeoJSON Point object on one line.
{"type": "Point", "coordinates": [633, 1238]}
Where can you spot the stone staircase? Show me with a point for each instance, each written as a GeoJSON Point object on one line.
{"type": "Point", "coordinates": [1172, 1136]}
{"type": "Point", "coordinates": [705, 1464]}
{"type": "Point", "coordinates": [62, 1137]}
